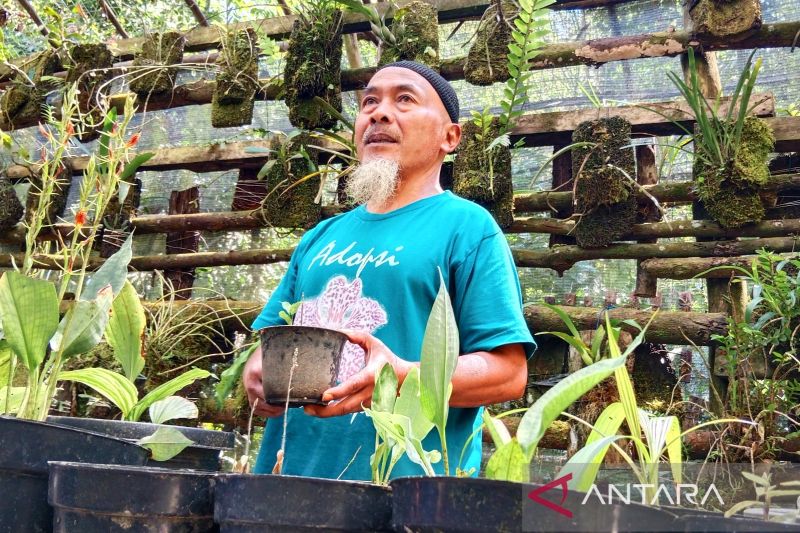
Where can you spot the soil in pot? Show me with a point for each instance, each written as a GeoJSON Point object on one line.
{"type": "Point", "coordinates": [204, 454]}
{"type": "Point", "coordinates": [447, 504]}
{"type": "Point", "coordinates": [254, 503]}
{"type": "Point", "coordinates": [104, 498]}
{"type": "Point", "coordinates": [304, 359]}
{"type": "Point", "coordinates": [27, 448]}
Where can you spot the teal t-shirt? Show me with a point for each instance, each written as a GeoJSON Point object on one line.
{"type": "Point", "coordinates": [378, 273]}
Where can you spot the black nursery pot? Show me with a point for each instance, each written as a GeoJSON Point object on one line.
{"type": "Point", "coordinates": [691, 520]}
{"type": "Point", "coordinates": [447, 504]}
{"type": "Point", "coordinates": [25, 449]}
{"type": "Point", "coordinates": [204, 454]}
{"type": "Point", "coordinates": [99, 498]}
{"type": "Point", "coordinates": [253, 503]}
{"type": "Point", "coordinates": [318, 351]}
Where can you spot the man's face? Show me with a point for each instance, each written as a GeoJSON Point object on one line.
{"type": "Point", "coordinates": [402, 118]}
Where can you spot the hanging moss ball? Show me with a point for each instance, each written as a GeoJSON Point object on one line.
{"type": "Point", "coordinates": [487, 59]}
{"type": "Point", "coordinates": [290, 199]}
{"type": "Point", "coordinates": [23, 102]}
{"type": "Point", "coordinates": [605, 224]}
{"type": "Point", "coordinates": [89, 65]}
{"type": "Point", "coordinates": [11, 209]}
{"type": "Point", "coordinates": [313, 69]}
{"type": "Point", "coordinates": [471, 173]}
{"type": "Point", "coordinates": [57, 199]}
{"type": "Point", "coordinates": [723, 18]}
{"type": "Point", "coordinates": [605, 164]}
{"type": "Point", "coordinates": [416, 30]}
{"type": "Point", "coordinates": [731, 194]}
{"type": "Point", "coordinates": [158, 52]}
{"type": "Point", "coordinates": [118, 215]}
{"type": "Point", "coordinates": [237, 81]}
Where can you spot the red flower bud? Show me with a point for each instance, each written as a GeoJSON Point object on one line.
{"type": "Point", "coordinates": [80, 218]}
{"type": "Point", "coordinates": [132, 141]}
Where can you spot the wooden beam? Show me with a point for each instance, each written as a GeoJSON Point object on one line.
{"type": "Point", "coordinates": [562, 258]}
{"type": "Point", "coordinates": [112, 18]}
{"type": "Point", "coordinates": [691, 267]}
{"type": "Point", "coordinates": [668, 327]}
{"type": "Point", "coordinates": [197, 13]}
{"type": "Point", "coordinates": [31, 11]}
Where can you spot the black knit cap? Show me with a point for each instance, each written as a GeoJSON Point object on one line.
{"type": "Point", "coordinates": [442, 87]}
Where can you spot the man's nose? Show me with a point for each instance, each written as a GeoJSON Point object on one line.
{"type": "Point", "coordinates": [381, 113]}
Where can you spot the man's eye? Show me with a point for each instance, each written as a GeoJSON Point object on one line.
{"type": "Point", "coordinates": [367, 101]}
{"type": "Point", "coordinates": [405, 98]}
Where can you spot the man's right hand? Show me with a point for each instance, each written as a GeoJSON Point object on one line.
{"type": "Point", "coordinates": [251, 377]}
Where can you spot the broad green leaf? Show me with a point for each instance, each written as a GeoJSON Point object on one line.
{"type": "Point", "coordinates": [125, 330]}
{"type": "Point", "coordinates": [759, 480]}
{"type": "Point", "coordinates": [498, 430]}
{"type": "Point", "coordinates": [165, 443]}
{"type": "Point", "coordinates": [82, 327]}
{"type": "Point", "coordinates": [547, 408]}
{"type": "Point", "coordinates": [134, 164]}
{"type": "Point", "coordinates": [584, 465]}
{"type": "Point", "coordinates": [6, 358]}
{"type": "Point", "coordinates": [11, 399]}
{"type": "Point", "coordinates": [608, 423]}
{"type": "Point", "coordinates": [509, 463]}
{"type": "Point", "coordinates": [384, 395]}
{"type": "Point", "coordinates": [112, 272]}
{"type": "Point", "coordinates": [166, 389]}
{"type": "Point", "coordinates": [111, 385]}
{"type": "Point", "coordinates": [439, 358]}
{"type": "Point", "coordinates": [674, 449]}
{"type": "Point", "coordinates": [29, 310]}
{"type": "Point", "coordinates": [408, 404]}
{"type": "Point", "coordinates": [230, 376]}
{"type": "Point", "coordinates": [172, 408]}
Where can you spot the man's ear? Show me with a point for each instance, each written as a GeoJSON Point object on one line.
{"type": "Point", "coordinates": [452, 138]}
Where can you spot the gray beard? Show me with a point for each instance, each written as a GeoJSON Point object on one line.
{"type": "Point", "coordinates": [374, 181]}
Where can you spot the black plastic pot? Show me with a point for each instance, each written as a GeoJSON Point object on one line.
{"type": "Point", "coordinates": [25, 449]}
{"type": "Point", "coordinates": [204, 454]}
{"type": "Point", "coordinates": [254, 503]}
{"type": "Point", "coordinates": [691, 520]}
{"type": "Point", "coordinates": [446, 504]}
{"type": "Point", "coordinates": [319, 352]}
{"type": "Point", "coordinates": [99, 498]}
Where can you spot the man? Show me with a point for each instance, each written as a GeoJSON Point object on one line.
{"type": "Point", "coordinates": [372, 272]}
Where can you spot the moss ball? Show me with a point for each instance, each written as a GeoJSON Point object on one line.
{"type": "Point", "coordinates": [158, 51]}
{"type": "Point", "coordinates": [605, 224]}
{"type": "Point", "coordinates": [11, 209]}
{"type": "Point", "coordinates": [290, 202]}
{"type": "Point", "coordinates": [487, 59]}
{"type": "Point", "coordinates": [416, 29]}
{"type": "Point", "coordinates": [237, 81]}
{"type": "Point", "coordinates": [313, 69]}
{"type": "Point", "coordinates": [471, 177]}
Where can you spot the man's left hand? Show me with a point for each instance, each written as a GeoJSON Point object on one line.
{"type": "Point", "coordinates": [349, 396]}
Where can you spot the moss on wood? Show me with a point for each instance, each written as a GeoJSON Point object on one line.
{"type": "Point", "coordinates": [487, 60]}
{"type": "Point", "coordinates": [416, 30]}
{"type": "Point", "coordinates": [237, 81]}
{"type": "Point", "coordinates": [159, 51]}
{"type": "Point", "coordinates": [290, 201]}
{"type": "Point", "coordinates": [604, 189]}
{"type": "Point", "coordinates": [725, 18]}
{"type": "Point", "coordinates": [731, 194]}
{"type": "Point", "coordinates": [313, 69]}
{"type": "Point", "coordinates": [11, 209]}
{"type": "Point", "coordinates": [90, 68]}
{"type": "Point", "coordinates": [23, 102]}
{"type": "Point", "coordinates": [471, 177]}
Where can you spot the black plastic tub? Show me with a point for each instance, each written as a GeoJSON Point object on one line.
{"type": "Point", "coordinates": [448, 504]}
{"type": "Point", "coordinates": [252, 503]}
{"type": "Point", "coordinates": [691, 520]}
{"type": "Point", "coordinates": [99, 498]}
{"type": "Point", "coordinates": [204, 454]}
{"type": "Point", "coordinates": [310, 356]}
{"type": "Point", "coordinates": [25, 449]}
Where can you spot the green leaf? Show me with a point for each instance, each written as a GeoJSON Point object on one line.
{"type": "Point", "coordinates": [266, 168]}
{"type": "Point", "coordinates": [165, 443]}
{"type": "Point", "coordinates": [547, 408]}
{"type": "Point", "coordinates": [515, 49]}
{"type": "Point", "coordinates": [111, 385]}
{"type": "Point", "coordinates": [408, 404]}
{"type": "Point", "coordinates": [508, 463]}
{"type": "Point", "coordinates": [172, 408]}
{"type": "Point", "coordinates": [82, 327]}
{"type": "Point", "coordinates": [6, 357]}
{"type": "Point", "coordinates": [497, 430]}
{"type": "Point", "coordinates": [584, 465]}
{"type": "Point", "coordinates": [11, 399]}
{"type": "Point", "coordinates": [439, 358]}
{"type": "Point", "coordinates": [134, 164]}
{"type": "Point", "coordinates": [125, 330]}
{"type": "Point", "coordinates": [29, 311]}
{"type": "Point", "coordinates": [384, 395]}
{"type": "Point", "coordinates": [741, 506]}
{"type": "Point", "coordinates": [230, 376]}
{"type": "Point", "coordinates": [166, 389]}
{"type": "Point", "coordinates": [113, 271]}
{"type": "Point", "coordinates": [674, 449]}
